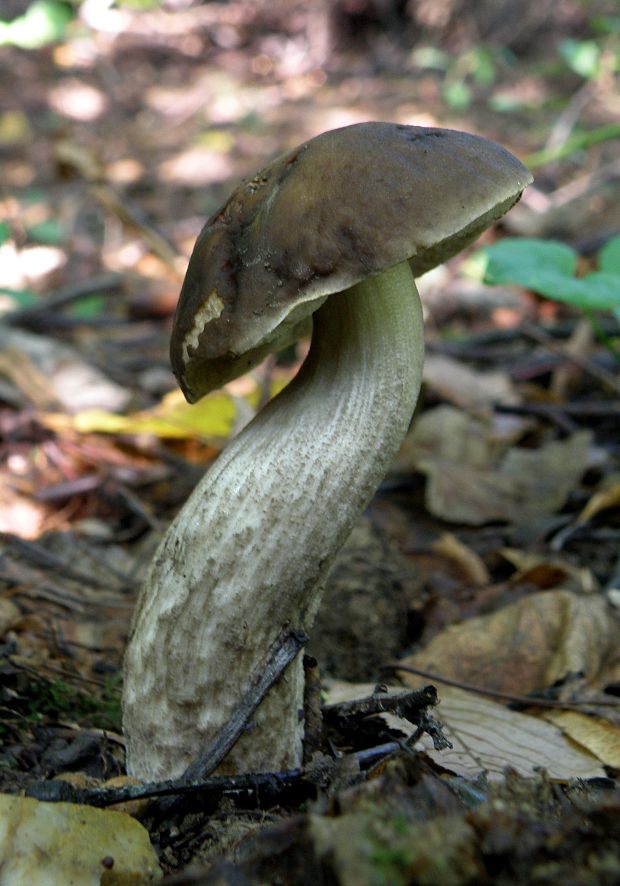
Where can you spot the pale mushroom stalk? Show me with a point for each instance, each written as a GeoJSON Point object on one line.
{"type": "Point", "coordinates": [248, 554]}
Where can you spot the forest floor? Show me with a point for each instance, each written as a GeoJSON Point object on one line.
{"type": "Point", "coordinates": [486, 565]}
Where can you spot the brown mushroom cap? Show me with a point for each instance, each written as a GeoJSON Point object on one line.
{"type": "Point", "coordinates": [337, 209]}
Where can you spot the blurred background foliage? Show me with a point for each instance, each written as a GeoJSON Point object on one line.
{"type": "Point", "coordinates": [125, 123]}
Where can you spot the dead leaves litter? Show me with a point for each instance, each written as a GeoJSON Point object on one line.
{"type": "Point", "coordinates": [475, 475]}
{"type": "Point", "coordinates": [526, 646]}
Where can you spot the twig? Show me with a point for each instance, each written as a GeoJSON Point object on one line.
{"type": "Point", "coordinates": [408, 705]}
{"type": "Point", "coordinates": [215, 787]}
{"type": "Point", "coordinates": [525, 700]}
{"type": "Point", "coordinates": [43, 558]}
{"type": "Point", "coordinates": [67, 675]}
{"type": "Point", "coordinates": [31, 316]}
{"type": "Point", "coordinates": [133, 217]}
{"type": "Point", "coordinates": [606, 378]}
{"type": "Point", "coordinates": [579, 188]}
{"type": "Point", "coordinates": [493, 339]}
{"type": "Point", "coordinates": [281, 654]}
{"type": "Point", "coordinates": [564, 413]}
{"type": "Point", "coordinates": [411, 706]}
{"type": "Point", "coordinates": [565, 123]}
{"type": "Point", "coordinates": [271, 786]}
{"type": "Point", "coordinates": [578, 142]}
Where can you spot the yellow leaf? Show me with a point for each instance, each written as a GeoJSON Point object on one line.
{"type": "Point", "coordinates": [600, 501]}
{"type": "Point", "coordinates": [58, 843]}
{"type": "Point", "coordinates": [14, 128]}
{"type": "Point", "coordinates": [212, 418]}
{"type": "Point", "coordinates": [598, 736]}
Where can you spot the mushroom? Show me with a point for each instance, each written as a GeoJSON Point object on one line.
{"type": "Point", "coordinates": [354, 213]}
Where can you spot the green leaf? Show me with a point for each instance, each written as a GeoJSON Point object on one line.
{"type": "Point", "coordinates": [528, 260]}
{"type": "Point", "coordinates": [505, 102]}
{"type": "Point", "coordinates": [51, 232]}
{"type": "Point", "coordinates": [430, 57]}
{"type": "Point", "coordinates": [92, 306]}
{"type": "Point", "coordinates": [548, 268]}
{"type": "Point", "coordinates": [23, 298]}
{"type": "Point", "coordinates": [482, 66]}
{"type": "Point", "coordinates": [606, 24]}
{"type": "Point", "coordinates": [5, 232]}
{"type": "Point", "coordinates": [598, 292]}
{"type": "Point", "coordinates": [457, 94]}
{"type": "Point", "coordinates": [43, 22]}
{"type": "Point", "coordinates": [581, 56]}
{"type": "Point", "coordinates": [609, 256]}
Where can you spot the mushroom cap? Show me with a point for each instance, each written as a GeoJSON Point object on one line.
{"type": "Point", "coordinates": [341, 207]}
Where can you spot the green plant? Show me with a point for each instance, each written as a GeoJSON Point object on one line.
{"type": "Point", "coordinates": [475, 68]}
{"type": "Point", "coordinates": [550, 268]}
{"type": "Point", "coordinates": [59, 700]}
{"type": "Point", "coordinates": [43, 22]}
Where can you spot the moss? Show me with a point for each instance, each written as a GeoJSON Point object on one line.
{"type": "Point", "coordinates": [58, 699]}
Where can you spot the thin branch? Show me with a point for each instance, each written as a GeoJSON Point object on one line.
{"type": "Point", "coordinates": [281, 654]}
{"type": "Point", "coordinates": [30, 316]}
{"type": "Point", "coordinates": [408, 705]}
{"type": "Point", "coordinates": [411, 706]}
{"type": "Point", "coordinates": [606, 378]}
{"type": "Point", "coordinates": [269, 785]}
{"type": "Point", "coordinates": [525, 700]}
{"type": "Point", "coordinates": [56, 791]}
{"type": "Point", "coordinates": [577, 142]}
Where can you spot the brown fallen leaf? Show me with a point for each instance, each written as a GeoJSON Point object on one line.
{"type": "Point", "coordinates": [457, 383]}
{"type": "Point", "coordinates": [470, 565]}
{"type": "Point", "coordinates": [19, 513]}
{"type": "Point", "coordinates": [453, 434]}
{"type": "Point", "coordinates": [50, 373]}
{"type": "Point", "coordinates": [488, 737]}
{"type": "Point", "coordinates": [9, 616]}
{"type": "Point", "coordinates": [598, 736]}
{"type": "Point", "coordinates": [600, 501]}
{"type": "Point", "coordinates": [475, 476]}
{"type": "Point", "coordinates": [545, 572]}
{"type": "Point", "coordinates": [527, 645]}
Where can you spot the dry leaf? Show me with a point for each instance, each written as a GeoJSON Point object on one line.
{"type": "Point", "coordinates": [474, 478]}
{"type": "Point", "coordinates": [545, 572]}
{"type": "Point", "coordinates": [600, 501]}
{"type": "Point", "coordinates": [454, 435]}
{"type": "Point", "coordinates": [568, 375]}
{"type": "Point", "coordinates": [19, 513]}
{"type": "Point", "coordinates": [468, 388]}
{"type": "Point", "coordinates": [471, 566]}
{"type": "Point", "coordinates": [49, 372]}
{"type": "Point", "coordinates": [213, 417]}
{"type": "Point", "coordinates": [63, 843]}
{"type": "Point", "coordinates": [527, 645]}
{"type": "Point", "coordinates": [9, 616]}
{"type": "Point", "coordinates": [487, 736]}
{"type": "Point", "coordinates": [598, 736]}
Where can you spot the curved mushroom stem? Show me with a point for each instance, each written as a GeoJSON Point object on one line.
{"type": "Point", "coordinates": [249, 552]}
